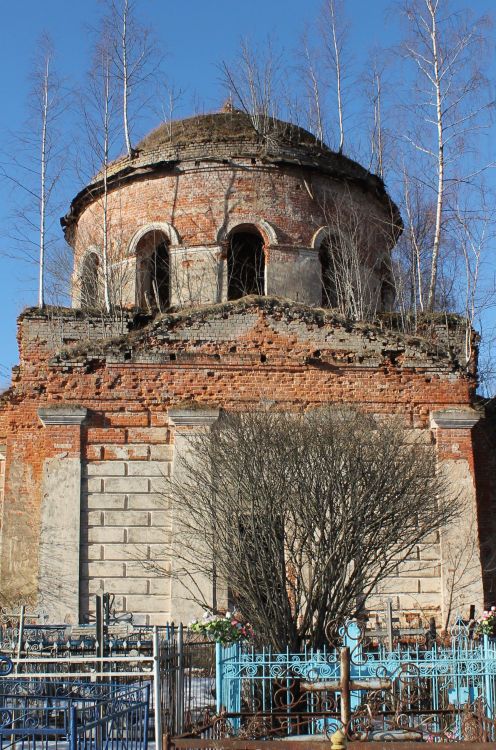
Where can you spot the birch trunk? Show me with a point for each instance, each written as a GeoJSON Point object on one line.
{"type": "Point", "coordinates": [44, 124]}
{"type": "Point", "coordinates": [337, 63]}
{"type": "Point", "coordinates": [106, 123]}
{"type": "Point", "coordinates": [440, 160]}
{"type": "Point", "coordinates": [125, 78]}
{"type": "Point", "coordinates": [378, 126]}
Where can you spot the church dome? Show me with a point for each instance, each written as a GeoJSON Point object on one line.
{"type": "Point", "coordinates": [236, 134]}
{"type": "Point", "coordinates": [224, 136]}
{"type": "Point", "coordinates": [219, 206]}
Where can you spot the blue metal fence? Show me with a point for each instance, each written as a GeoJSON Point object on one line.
{"type": "Point", "coordinates": [40, 714]}
{"type": "Point", "coordinates": [446, 691]}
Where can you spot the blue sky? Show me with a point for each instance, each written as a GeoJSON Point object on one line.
{"type": "Point", "coordinates": [195, 35]}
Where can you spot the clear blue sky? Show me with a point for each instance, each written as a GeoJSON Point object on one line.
{"type": "Point", "coordinates": [194, 34]}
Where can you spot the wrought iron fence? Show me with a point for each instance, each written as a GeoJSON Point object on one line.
{"type": "Point", "coordinates": [37, 715]}
{"type": "Point", "coordinates": [423, 688]}
{"type": "Point", "coordinates": [182, 662]}
{"type": "Point", "coordinates": [188, 678]}
{"type": "Point", "coordinates": [427, 692]}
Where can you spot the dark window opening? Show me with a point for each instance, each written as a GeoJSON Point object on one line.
{"type": "Point", "coordinates": [154, 272]}
{"type": "Point", "coordinates": [330, 262]}
{"type": "Point", "coordinates": [387, 291]}
{"type": "Point", "coordinates": [245, 265]}
{"type": "Point", "coordinates": [90, 287]}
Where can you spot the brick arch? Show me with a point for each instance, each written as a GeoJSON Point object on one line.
{"type": "Point", "coordinates": [319, 236]}
{"type": "Point", "coordinates": [90, 250]}
{"type": "Point", "coordinates": [267, 231]}
{"type": "Point", "coordinates": [158, 226]}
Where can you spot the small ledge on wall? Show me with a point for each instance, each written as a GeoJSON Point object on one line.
{"type": "Point", "coordinates": [193, 417]}
{"type": "Point", "coordinates": [455, 419]}
{"type": "Point", "coordinates": [62, 415]}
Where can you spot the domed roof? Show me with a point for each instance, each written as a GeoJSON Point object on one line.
{"type": "Point", "coordinates": [226, 136]}
{"type": "Point", "coordinates": [236, 134]}
{"type": "Point", "coordinates": [234, 127]}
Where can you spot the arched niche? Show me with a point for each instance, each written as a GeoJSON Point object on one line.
{"type": "Point", "coordinates": [245, 262]}
{"type": "Point", "coordinates": [153, 276]}
{"type": "Point", "coordinates": [90, 279]}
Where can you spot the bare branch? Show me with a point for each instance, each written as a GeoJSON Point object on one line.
{"type": "Point", "coordinates": [303, 515]}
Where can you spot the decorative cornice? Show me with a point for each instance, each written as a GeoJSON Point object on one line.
{"type": "Point", "coordinates": [193, 417]}
{"type": "Point", "coordinates": [62, 415]}
{"type": "Point", "coordinates": [455, 419]}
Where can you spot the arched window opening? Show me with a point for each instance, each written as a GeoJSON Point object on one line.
{"type": "Point", "coordinates": [90, 281]}
{"type": "Point", "coordinates": [153, 263]}
{"type": "Point", "coordinates": [245, 264]}
{"type": "Point", "coordinates": [331, 262]}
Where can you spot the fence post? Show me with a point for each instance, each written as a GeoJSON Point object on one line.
{"type": "Point", "coordinates": [389, 624]}
{"type": "Point", "coordinates": [488, 677]}
{"type": "Point", "coordinates": [156, 689]}
{"type": "Point", "coordinates": [218, 678]}
{"type": "Point", "coordinates": [352, 639]}
{"type": "Point", "coordinates": [72, 728]}
{"type": "Point", "coordinates": [99, 629]}
{"type": "Point", "coordinates": [20, 635]}
{"type": "Point", "coordinates": [180, 682]}
{"type": "Point", "coordinates": [345, 687]}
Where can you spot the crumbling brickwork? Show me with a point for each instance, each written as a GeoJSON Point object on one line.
{"type": "Point", "coordinates": [100, 403]}
{"type": "Point", "coordinates": [231, 356]}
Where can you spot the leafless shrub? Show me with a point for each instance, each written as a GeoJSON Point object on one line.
{"type": "Point", "coordinates": [253, 85]}
{"type": "Point", "coordinates": [356, 279]}
{"type": "Point", "coordinates": [301, 516]}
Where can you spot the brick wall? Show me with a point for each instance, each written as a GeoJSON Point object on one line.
{"type": "Point", "coordinates": [231, 356]}
{"type": "Point", "coordinates": [203, 201]}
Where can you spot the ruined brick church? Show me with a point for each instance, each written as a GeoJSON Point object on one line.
{"type": "Point", "coordinates": [221, 258]}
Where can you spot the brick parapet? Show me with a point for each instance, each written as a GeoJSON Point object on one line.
{"type": "Point", "coordinates": [232, 355]}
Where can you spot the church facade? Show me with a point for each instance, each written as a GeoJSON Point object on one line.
{"type": "Point", "coordinates": [221, 268]}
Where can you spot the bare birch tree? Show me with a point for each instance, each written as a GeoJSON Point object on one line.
{"type": "Point", "coordinates": [374, 97]}
{"type": "Point", "coordinates": [412, 253]}
{"type": "Point", "coordinates": [302, 516]}
{"type": "Point", "coordinates": [310, 74]}
{"type": "Point", "coordinates": [475, 235]}
{"type": "Point", "coordinates": [334, 38]}
{"type": "Point", "coordinates": [134, 62]}
{"type": "Point", "coordinates": [445, 48]}
{"type": "Point", "coordinates": [36, 164]}
{"type": "Point", "coordinates": [99, 115]}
